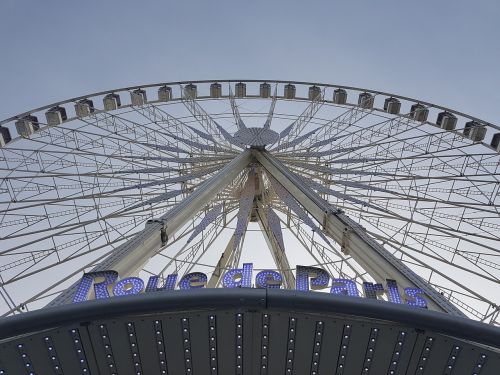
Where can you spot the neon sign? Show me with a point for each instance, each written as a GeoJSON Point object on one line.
{"type": "Point", "coordinates": [307, 278]}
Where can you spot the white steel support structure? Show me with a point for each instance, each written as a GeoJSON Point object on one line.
{"type": "Point", "coordinates": [279, 254]}
{"type": "Point", "coordinates": [129, 257]}
{"type": "Point", "coordinates": [156, 186]}
{"type": "Point", "coordinates": [378, 262]}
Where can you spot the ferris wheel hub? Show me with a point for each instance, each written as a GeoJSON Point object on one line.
{"type": "Point", "coordinates": [256, 137]}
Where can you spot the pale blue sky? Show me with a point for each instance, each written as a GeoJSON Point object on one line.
{"type": "Point", "coordinates": [443, 51]}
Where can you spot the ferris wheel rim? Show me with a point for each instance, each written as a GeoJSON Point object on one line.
{"type": "Point", "coordinates": [229, 81]}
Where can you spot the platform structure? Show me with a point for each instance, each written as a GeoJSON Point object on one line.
{"type": "Point", "coordinates": [249, 231]}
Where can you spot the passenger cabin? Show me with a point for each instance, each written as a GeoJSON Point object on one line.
{"type": "Point", "coordinates": [446, 120]}
{"type": "Point", "coordinates": [365, 100]}
{"type": "Point", "coordinates": [190, 91]}
{"type": "Point", "coordinates": [138, 97]}
{"type": "Point", "coordinates": [419, 112]}
{"type": "Point", "coordinates": [215, 90]}
{"type": "Point", "coordinates": [240, 90]}
{"type": "Point", "coordinates": [340, 96]}
{"type": "Point", "coordinates": [27, 125]}
{"type": "Point", "coordinates": [392, 106]}
{"type": "Point", "coordinates": [112, 102]}
{"type": "Point", "coordinates": [265, 90]}
{"type": "Point", "coordinates": [495, 142]}
{"type": "Point", "coordinates": [164, 94]}
{"type": "Point", "coordinates": [475, 131]}
{"type": "Point", "coordinates": [314, 93]}
{"type": "Point", "coordinates": [56, 115]}
{"type": "Point", "coordinates": [4, 136]}
{"type": "Point", "coordinates": [84, 108]}
{"type": "Point", "coordinates": [289, 91]}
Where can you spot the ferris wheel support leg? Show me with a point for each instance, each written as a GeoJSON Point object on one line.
{"type": "Point", "coordinates": [225, 259]}
{"type": "Point", "coordinates": [129, 257]}
{"type": "Point", "coordinates": [279, 255]}
{"type": "Point", "coordinates": [372, 256]}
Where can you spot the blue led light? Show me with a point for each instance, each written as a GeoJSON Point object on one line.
{"type": "Point", "coordinates": [393, 291]}
{"type": "Point", "coordinates": [319, 278]}
{"type": "Point", "coordinates": [245, 275]}
{"type": "Point", "coordinates": [193, 280]}
{"type": "Point", "coordinates": [414, 297]}
{"type": "Point", "coordinates": [128, 286]}
{"type": "Point", "coordinates": [101, 289]}
{"type": "Point", "coordinates": [347, 287]}
{"type": "Point", "coordinates": [268, 279]}
{"type": "Point", "coordinates": [152, 285]}
{"type": "Point", "coordinates": [372, 290]}
{"type": "Point", "coordinates": [169, 284]}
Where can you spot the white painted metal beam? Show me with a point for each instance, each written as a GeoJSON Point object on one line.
{"type": "Point", "coordinates": [372, 256]}
{"type": "Point", "coordinates": [129, 257]}
{"type": "Point", "coordinates": [279, 255]}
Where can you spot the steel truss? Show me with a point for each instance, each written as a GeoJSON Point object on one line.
{"type": "Point", "coordinates": [379, 195]}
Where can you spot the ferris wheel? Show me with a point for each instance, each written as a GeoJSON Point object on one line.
{"type": "Point", "coordinates": [183, 177]}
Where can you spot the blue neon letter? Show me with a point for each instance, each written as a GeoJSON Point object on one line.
{"type": "Point", "coordinates": [319, 278]}
{"type": "Point", "coordinates": [245, 275]}
{"type": "Point", "coordinates": [101, 288]}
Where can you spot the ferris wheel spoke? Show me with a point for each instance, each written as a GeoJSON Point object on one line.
{"type": "Point", "coordinates": [435, 270]}
{"type": "Point", "coordinates": [49, 291]}
{"type": "Point", "coordinates": [472, 265]}
{"type": "Point", "coordinates": [190, 253]}
{"type": "Point", "coordinates": [269, 119]}
{"type": "Point", "coordinates": [150, 132]}
{"type": "Point", "coordinates": [333, 128]}
{"type": "Point", "coordinates": [292, 131]}
{"type": "Point", "coordinates": [434, 224]}
{"type": "Point", "coordinates": [384, 202]}
{"type": "Point", "coordinates": [206, 121]}
{"type": "Point", "coordinates": [127, 204]}
{"type": "Point", "coordinates": [236, 113]}
{"type": "Point", "coordinates": [36, 258]}
{"type": "Point", "coordinates": [321, 252]}
{"type": "Point", "coordinates": [443, 162]}
{"type": "Point", "coordinates": [477, 259]}
{"type": "Point", "coordinates": [175, 126]}
{"type": "Point", "coordinates": [196, 256]}
{"type": "Point", "coordinates": [200, 140]}
{"type": "Point", "coordinates": [450, 294]}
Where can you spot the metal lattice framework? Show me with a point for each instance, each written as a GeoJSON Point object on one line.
{"type": "Point", "coordinates": [199, 178]}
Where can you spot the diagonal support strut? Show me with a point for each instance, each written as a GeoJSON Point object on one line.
{"type": "Point", "coordinates": [374, 258]}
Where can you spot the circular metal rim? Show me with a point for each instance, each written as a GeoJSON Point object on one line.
{"type": "Point", "coordinates": [250, 299]}
{"type": "Point", "coordinates": [329, 85]}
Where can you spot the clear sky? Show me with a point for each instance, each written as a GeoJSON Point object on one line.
{"type": "Point", "coordinates": [445, 51]}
